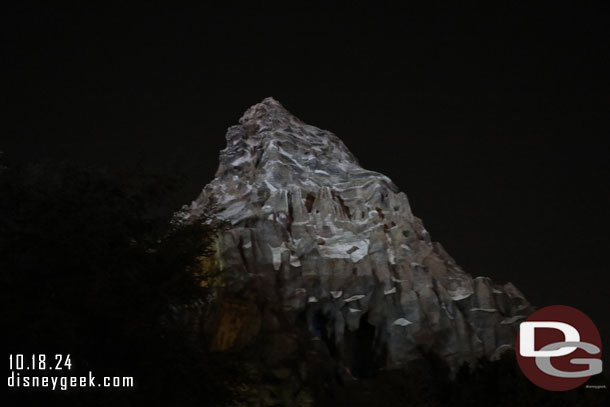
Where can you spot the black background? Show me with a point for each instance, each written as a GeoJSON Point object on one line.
{"type": "Point", "coordinates": [494, 121]}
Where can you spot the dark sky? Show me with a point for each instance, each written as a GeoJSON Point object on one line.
{"type": "Point", "coordinates": [493, 121]}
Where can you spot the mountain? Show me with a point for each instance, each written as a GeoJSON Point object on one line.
{"type": "Point", "coordinates": [321, 253]}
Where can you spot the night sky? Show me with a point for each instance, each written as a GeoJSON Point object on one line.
{"type": "Point", "coordinates": [493, 121]}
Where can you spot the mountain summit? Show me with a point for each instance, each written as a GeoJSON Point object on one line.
{"type": "Point", "coordinates": [319, 248]}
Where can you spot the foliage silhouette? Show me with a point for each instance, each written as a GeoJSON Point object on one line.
{"type": "Point", "coordinates": [92, 266]}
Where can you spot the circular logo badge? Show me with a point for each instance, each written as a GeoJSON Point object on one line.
{"type": "Point", "coordinates": [559, 348]}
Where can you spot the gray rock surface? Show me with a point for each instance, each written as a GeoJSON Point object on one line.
{"type": "Point", "coordinates": [316, 236]}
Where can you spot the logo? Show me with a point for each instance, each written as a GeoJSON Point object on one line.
{"type": "Point", "coordinates": [559, 348]}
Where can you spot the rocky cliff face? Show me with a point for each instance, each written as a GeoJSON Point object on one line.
{"type": "Point", "coordinates": [317, 240]}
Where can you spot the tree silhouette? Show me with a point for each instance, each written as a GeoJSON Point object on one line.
{"type": "Point", "coordinates": [92, 267]}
